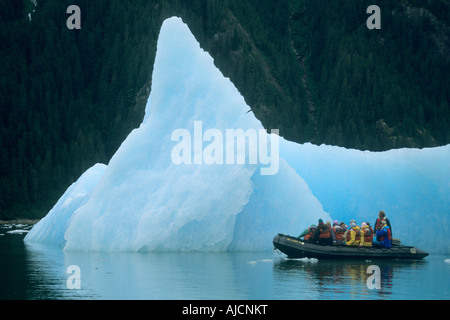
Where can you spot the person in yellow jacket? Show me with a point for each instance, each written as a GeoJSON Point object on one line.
{"type": "Point", "coordinates": [354, 235]}
{"type": "Point", "coordinates": [366, 235]}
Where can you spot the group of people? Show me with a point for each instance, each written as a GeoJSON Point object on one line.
{"type": "Point", "coordinates": [340, 234]}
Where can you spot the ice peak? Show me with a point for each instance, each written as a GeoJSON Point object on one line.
{"type": "Point", "coordinates": [146, 201]}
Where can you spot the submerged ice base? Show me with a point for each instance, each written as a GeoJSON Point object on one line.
{"type": "Point", "coordinates": [143, 201]}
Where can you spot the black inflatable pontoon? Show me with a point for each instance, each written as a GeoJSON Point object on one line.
{"type": "Point", "coordinates": [296, 248]}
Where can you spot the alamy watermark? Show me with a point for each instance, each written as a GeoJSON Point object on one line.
{"type": "Point", "coordinates": [234, 146]}
{"type": "Point", "coordinates": [74, 21]}
{"type": "Point", "coordinates": [74, 280]}
{"type": "Point", "coordinates": [374, 281]}
{"type": "Point", "coordinates": [374, 21]}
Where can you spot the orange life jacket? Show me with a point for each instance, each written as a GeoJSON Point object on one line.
{"type": "Point", "coordinates": [357, 236]}
{"type": "Point", "coordinates": [325, 232]}
{"type": "Point", "coordinates": [368, 234]}
{"type": "Point", "coordinates": [310, 234]}
{"type": "Point", "coordinates": [378, 225]}
{"type": "Point", "coordinates": [339, 232]}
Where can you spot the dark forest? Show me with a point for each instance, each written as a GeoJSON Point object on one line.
{"type": "Point", "coordinates": [312, 69]}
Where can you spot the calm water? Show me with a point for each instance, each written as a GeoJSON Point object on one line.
{"type": "Point", "coordinates": [40, 272]}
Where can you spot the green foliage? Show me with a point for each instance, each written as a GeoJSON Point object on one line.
{"type": "Point", "coordinates": [390, 87]}
{"type": "Point", "coordinates": [63, 103]}
{"type": "Point", "coordinates": [312, 69]}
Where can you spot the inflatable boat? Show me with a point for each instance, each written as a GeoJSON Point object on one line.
{"type": "Point", "coordinates": [295, 248]}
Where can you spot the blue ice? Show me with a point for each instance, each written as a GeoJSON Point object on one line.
{"type": "Point", "coordinates": [142, 201]}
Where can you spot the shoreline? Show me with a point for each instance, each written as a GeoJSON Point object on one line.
{"type": "Point", "coordinates": [20, 221]}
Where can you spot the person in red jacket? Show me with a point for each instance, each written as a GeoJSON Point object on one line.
{"type": "Point", "coordinates": [308, 234]}
{"type": "Point", "coordinates": [381, 217]}
{"type": "Point", "coordinates": [324, 234]}
{"type": "Point", "coordinates": [339, 232]}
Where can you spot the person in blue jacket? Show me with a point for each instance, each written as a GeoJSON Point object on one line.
{"type": "Point", "coordinates": [384, 237]}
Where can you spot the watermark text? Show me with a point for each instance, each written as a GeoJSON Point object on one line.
{"type": "Point", "coordinates": [74, 280]}
{"type": "Point", "coordinates": [374, 281]}
{"type": "Point", "coordinates": [234, 146]}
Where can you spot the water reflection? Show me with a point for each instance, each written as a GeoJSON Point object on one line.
{"type": "Point", "coordinates": [144, 275]}
{"type": "Point", "coordinates": [339, 279]}
{"type": "Point", "coordinates": [47, 274]}
{"type": "Point", "coordinates": [41, 273]}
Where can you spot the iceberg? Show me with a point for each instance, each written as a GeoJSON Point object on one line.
{"type": "Point", "coordinates": [411, 185]}
{"type": "Point", "coordinates": [144, 200]}
{"type": "Point", "coordinates": [52, 227]}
